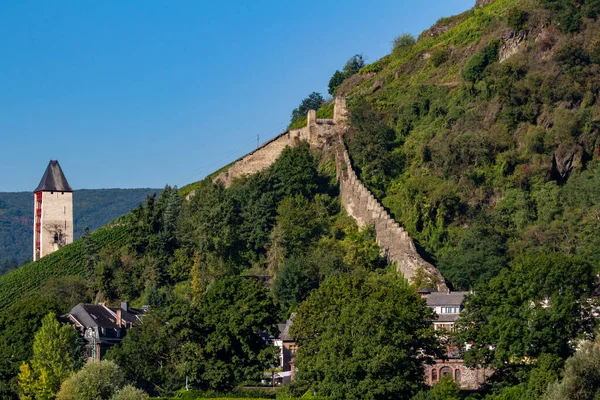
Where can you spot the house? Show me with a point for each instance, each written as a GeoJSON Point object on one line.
{"type": "Point", "coordinates": [287, 350]}
{"type": "Point", "coordinates": [448, 306]}
{"type": "Point", "coordinates": [102, 326]}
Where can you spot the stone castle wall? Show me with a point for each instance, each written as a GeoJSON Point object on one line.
{"type": "Point", "coordinates": [317, 132]}
{"type": "Point", "coordinates": [394, 241]}
{"type": "Point", "coordinates": [356, 198]}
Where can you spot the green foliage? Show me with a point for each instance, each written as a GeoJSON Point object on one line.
{"type": "Point", "coordinates": [96, 380]}
{"type": "Point", "coordinates": [403, 43]}
{"type": "Point", "coordinates": [476, 66]}
{"type": "Point", "coordinates": [581, 378]}
{"type": "Point", "coordinates": [445, 389]}
{"type": "Point", "coordinates": [57, 352]}
{"type": "Point", "coordinates": [536, 307]}
{"type": "Point", "coordinates": [572, 57]}
{"type": "Point", "coordinates": [352, 66]}
{"type": "Point", "coordinates": [216, 342]}
{"type": "Point", "coordinates": [517, 18]}
{"type": "Point", "coordinates": [336, 80]}
{"type": "Point", "coordinates": [312, 102]}
{"type": "Point", "coordinates": [370, 141]}
{"type": "Point", "coordinates": [346, 349]}
{"type": "Point", "coordinates": [129, 392]}
{"type": "Point", "coordinates": [438, 57]}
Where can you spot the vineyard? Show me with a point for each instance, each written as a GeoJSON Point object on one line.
{"type": "Point", "coordinates": [64, 262]}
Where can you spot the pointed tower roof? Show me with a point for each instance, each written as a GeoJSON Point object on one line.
{"type": "Point", "coordinates": [54, 179]}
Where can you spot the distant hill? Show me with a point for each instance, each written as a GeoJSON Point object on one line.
{"type": "Point", "coordinates": [92, 208]}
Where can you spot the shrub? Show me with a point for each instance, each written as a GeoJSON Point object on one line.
{"type": "Point", "coordinates": [130, 392]}
{"type": "Point", "coordinates": [403, 42]}
{"type": "Point", "coordinates": [475, 67]}
{"type": "Point", "coordinates": [438, 57]}
{"type": "Point", "coordinates": [573, 58]}
{"type": "Point", "coordinates": [595, 52]}
{"type": "Point", "coordinates": [517, 19]}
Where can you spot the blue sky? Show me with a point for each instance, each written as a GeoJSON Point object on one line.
{"type": "Point", "coordinates": [147, 93]}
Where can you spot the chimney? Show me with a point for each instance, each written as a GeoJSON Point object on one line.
{"type": "Point", "coordinates": [119, 317]}
{"type": "Point", "coordinates": [125, 306]}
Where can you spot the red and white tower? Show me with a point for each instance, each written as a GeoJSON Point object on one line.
{"type": "Point", "coordinates": [53, 212]}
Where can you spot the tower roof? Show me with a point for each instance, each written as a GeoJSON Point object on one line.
{"type": "Point", "coordinates": [54, 179]}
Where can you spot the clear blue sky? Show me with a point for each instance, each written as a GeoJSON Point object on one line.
{"type": "Point", "coordinates": [147, 93]}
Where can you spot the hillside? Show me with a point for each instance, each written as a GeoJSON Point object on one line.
{"type": "Point", "coordinates": [91, 208]}
{"type": "Point", "coordinates": [472, 149]}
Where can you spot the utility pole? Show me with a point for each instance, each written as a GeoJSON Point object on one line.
{"type": "Point", "coordinates": [257, 139]}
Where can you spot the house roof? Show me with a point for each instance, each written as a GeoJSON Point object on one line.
{"type": "Point", "coordinates": [436, 299]}
{"type": "Point", "coordinates": [54, 179]}
{"type": "Point", "coordinates": [284, 329]}
{"type": "Point", "coordinates": [100, 316]}
{"type": "Point", "coordinates": [92, 315]}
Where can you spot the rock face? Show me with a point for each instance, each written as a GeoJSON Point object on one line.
{"type": "Point", "coordinates": [394, 241]}
{"type": "Point", "coordinates": [511, 44]}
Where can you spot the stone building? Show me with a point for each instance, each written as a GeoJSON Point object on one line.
{"type": "Point", "coordinates": [448, 306]}
{"type": "Point", "coordinates": [52, 213]}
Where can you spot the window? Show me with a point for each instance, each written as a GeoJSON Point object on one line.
{"type": "Point", "coordinates": [433, 375]}
{"type": "Point", "coordinates": [457, 375]}
{"type": "Point", "coordinates": [446, 371]}
{"type": "Point", "coordinates": [450, 310]}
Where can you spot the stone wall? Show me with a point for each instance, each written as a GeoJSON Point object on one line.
{"type": "Point", "coordinates": [356, 198]}
{"type": "Point", "coordinates": [318, 133]}
{"type": "Point", "coordinates": [394, 241]}
{"type": "Point", "coordinates": [467, 378]}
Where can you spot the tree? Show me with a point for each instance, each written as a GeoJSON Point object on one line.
{"type": "Point", "coordinates": [581, 376]}
{"type": "Point", "coordinates": [57, 352]}
{"type": "Point", "coordinates": [363, 337]}
{"type": "Point", "coordinates": [403, 42]}
{"type": "Point", "coordinates": [295, 280]}
{"type": "Point", "coordinates": [354, 64]}
{"type": "Point", "coordinates": [129, 392]}
{"type": "Point", "coordinates": [335, 81]}
{"type": "Point", "coordinates": [537, 306]}
{"type": "Point", "coordinates": [445, 389]}
{"type": "Point", "coordinates": [312, 102]}
{"type": "Point", "coordinates": [216, 343]}
{"type": "Point", "coordinates": [96, 380]}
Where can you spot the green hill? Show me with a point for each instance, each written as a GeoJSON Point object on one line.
{"type": "Point", "coordinates": [92, 208]}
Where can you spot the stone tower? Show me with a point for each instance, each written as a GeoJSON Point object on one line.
{"type": "Point", "coordinates": [53, 212]}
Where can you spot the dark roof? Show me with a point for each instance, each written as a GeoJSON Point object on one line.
{"type": "Point", "coordinates": [284, 329]}
{"type": "Point", "coordinates": [100, 316]}
{"type": "Point", "coordinates": [95, 316]}
{"type": "Point", "coordinates": [446, 298]}
{"type": "Point", "coordinates": [54, 179]}
{"type": "Point", "coordinates": [131, 315]}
